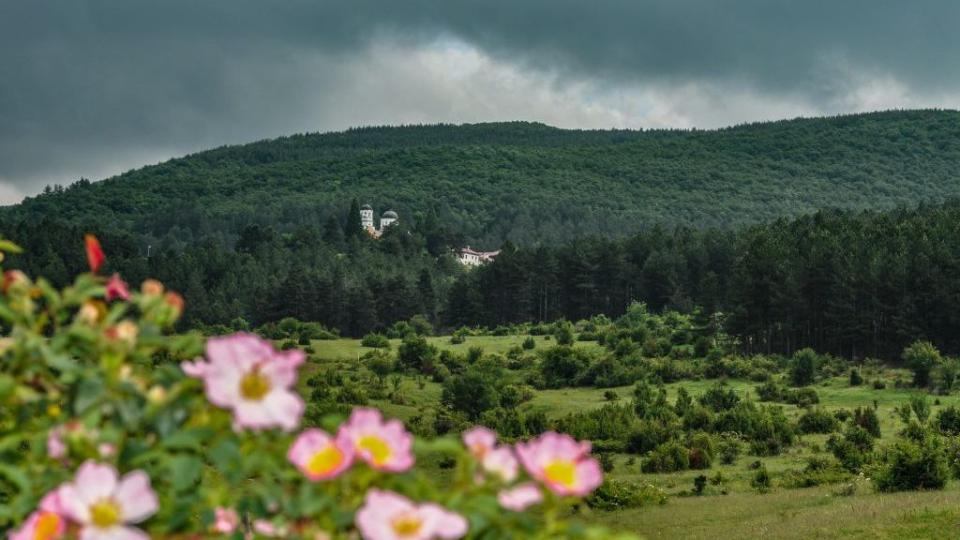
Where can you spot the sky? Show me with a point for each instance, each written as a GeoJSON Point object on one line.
{"type": "Point", "coordinates": [93, 88]}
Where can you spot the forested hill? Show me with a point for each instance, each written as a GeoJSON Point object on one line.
{"type": "Point", "coordinates": [529, 182]}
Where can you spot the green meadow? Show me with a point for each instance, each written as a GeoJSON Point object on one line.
{"type": "Point", "coordinates": [729, 508]}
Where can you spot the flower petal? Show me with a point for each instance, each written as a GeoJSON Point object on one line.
{"type": "Point", "coordinates": [136, 497]}
{"type": "Point", "coordinates": [95, 481]}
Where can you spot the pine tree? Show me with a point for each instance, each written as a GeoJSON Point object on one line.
{"type": "Point", "coordinates": [353, 227]}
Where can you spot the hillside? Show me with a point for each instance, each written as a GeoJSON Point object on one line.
{"type": "Point", "coordinates": [530, 182]}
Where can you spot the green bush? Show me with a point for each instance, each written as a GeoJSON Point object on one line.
{"type": "Point", "coordinates": [529, 343]}
{"type": "Point", "coordinates": [563, 366]}
{"type": "Point", "coordinates": [817, 421]}
{"type": "Point", "coordinates": [803, 367]}
{"type": "Point", "coordinates": [619, 495]}
{"type": "Point", "coordinates": [948, 421]}
{"type": "Point", "coordinates": [668, 457]}
{"type": "Point", "coordinates": [377, 341]}
{"type": "Point", "coordinates": [761, 479]}
{"type": "Point", "coordinates": [855, 378]}
{"type": "Point", "coordinates": [866, 418]}
{"type": "Point", "coordinates": [921, 357]}
{"type": "Point", "coordinates": [911, 465]}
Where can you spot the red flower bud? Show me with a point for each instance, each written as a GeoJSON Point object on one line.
{"type": "Point", "coordinates": [13, 277]}
{"type": "Point", "coordinates": [95, 256]}
{"type": "Point", "coordinates": [174, 300]}
{"type": "Point", "coordinates": [117, 288]}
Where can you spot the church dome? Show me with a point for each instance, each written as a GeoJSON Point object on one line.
{"type": "Point", "coordinates": [390, 214]}
{"type": "Point", "coordinates": [366, 207]}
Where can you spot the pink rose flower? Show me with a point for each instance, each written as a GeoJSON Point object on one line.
{"type": "Point", "coordinates": [225, 520]}
{"type": "Point", "coordinates": [103, 504]}
{"type": "Point", "coordinates": [561, 463]}
{"type": "Point", "coordinates": [388, 516]}
{"type": "Point", "coordinates": [479, 440]}
{"type": "Point", "coordinates": [320, 456]}
{"type": "Point", "coordinates": [46, 523]}
{"type": "Point", "coordinates": [266, 528]}
{"type": "Point", "coordinates": [384, 445]}
{"type": "Point", "coordinates": [56, 447]}
{"type": "Point", "coordinates": [520, 497]}
{"type": "Point", "coordinates": [501, 462]}
{"type": "Point", "coordinates": [248, 376]}
{"type": "Point", "coordinates": [117, 288]}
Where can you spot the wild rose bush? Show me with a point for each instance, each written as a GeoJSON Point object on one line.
{"type": "Point", "coordinates": [114, 428]}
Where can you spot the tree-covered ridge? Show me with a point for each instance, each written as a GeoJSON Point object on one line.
{"type": "Point", "coordinates": [852, 283]}
{"type": "Point", "coordinates": [531, 183]}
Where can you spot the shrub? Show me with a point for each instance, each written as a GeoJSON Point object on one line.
{"type": "Point", "coordinates": [457, 339]}
{"type": "Point", "coordinates": [802, 397]}
{"type": "Point", "coordinates": [729, 449]}
{"type": "Point", "coordinates": [803, 367]}
{"type": "Point", "coordinates": [818, 471]}
{"type": "Point", "coordinates": [288, 345]}
{"type": "Point", "coordinates": [377, 341]}
{"type": "Point", "coordinates": [610, 395]}
{"type": "Point", "coordinates": [619, 495]}
{"type": "Point", "coordinates": [529, 343]}
{"type": "Point", "coordinates": [761, 480]}
{"type": "Point", "coordinates": [701, 451]}
{"type": "Point", "coordinates": [866, 418]}
{"type": "Point", "coordinates": [817, 421]}
{"type": "Point", "coordinates": [719, 398]}
{"type": "Point", "coordinates": [921, 357]}
{"type": "Point", "coordinates": [911, 465]}
{"type": "Point", "coordinates": [948, 421]}
{"type": "Point", "coordinates": [562, 366]}
{"type": "Point", "coordinates": [564, 333]}
{"type": "Point", "coordinates": [855, 378]}
{"type": "Point", "coordinates": [668, 457]}
{"type": "Point", "coordinates": [853, 449]}
{"type": "Point", "coordinates": [471, 393]}
{"type": "Point", "coordinates": [416, 354]}
{"type": "Point", "coordinates": [421, 325]}
{"type": "Point", "coordinates": [769, 391]}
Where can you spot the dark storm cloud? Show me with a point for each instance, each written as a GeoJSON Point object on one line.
{"type": "Point", "coordinates": [91, 88]}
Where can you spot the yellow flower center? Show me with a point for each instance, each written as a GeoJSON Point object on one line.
{"type": "Point", "coordinates": [407, 525]}
{"type": "Point", "coordinates": [105, 513]}
{"type": "Point", "coordinates": [325, 460]}
{"type": "Point", "coordinates": [478, 451]}
{"type": "Point", "coordinates": [378, 448]}
{"type": "Point", "coordinates": [47, 526]}
{"type": "Point", "coordinates": [561, 472]}
{"type": "Point", "coordinates": [254, 386]}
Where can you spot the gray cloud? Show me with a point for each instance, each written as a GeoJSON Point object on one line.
{"type": "Point", "coordinates": [90, 88]}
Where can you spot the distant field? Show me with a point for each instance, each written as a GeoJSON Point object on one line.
{"type": "Point", "coordinates": [350, 349]}
{"type": "Point", "coordinates": [742, 513]}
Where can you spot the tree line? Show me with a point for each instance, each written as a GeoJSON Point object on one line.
{"type": "Point", "coordinates": [856, 284]}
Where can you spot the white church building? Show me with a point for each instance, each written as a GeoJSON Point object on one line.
{"type": "Point", "coordinates": [366, 220]}
{"type": "Point", "coordinates": [472, 257]}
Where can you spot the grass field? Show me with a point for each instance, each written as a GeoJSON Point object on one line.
{"type": "Point", "coordinates": [741, 513]}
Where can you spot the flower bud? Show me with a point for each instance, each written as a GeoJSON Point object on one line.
{"type": "Point", "coordinates": [124, 331]}
{"type": "Point", "coordinates": [151, 287]}
{"type": "Point", "coordinates": [14, 278]}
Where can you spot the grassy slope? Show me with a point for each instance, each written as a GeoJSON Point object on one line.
{"type": "Point", "coordinates": [783, 513]}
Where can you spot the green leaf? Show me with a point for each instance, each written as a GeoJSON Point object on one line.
{"type": "Point", "coordinates": [10, 247]}
{"type": "Point", "coordinates": [187, 439]}
{"type": "Point", "coordinates": [185, 472]}
{"type": "Point", "coordinates": [7, 384]}
{"type": "Point", "coordinates": [89, 390]}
